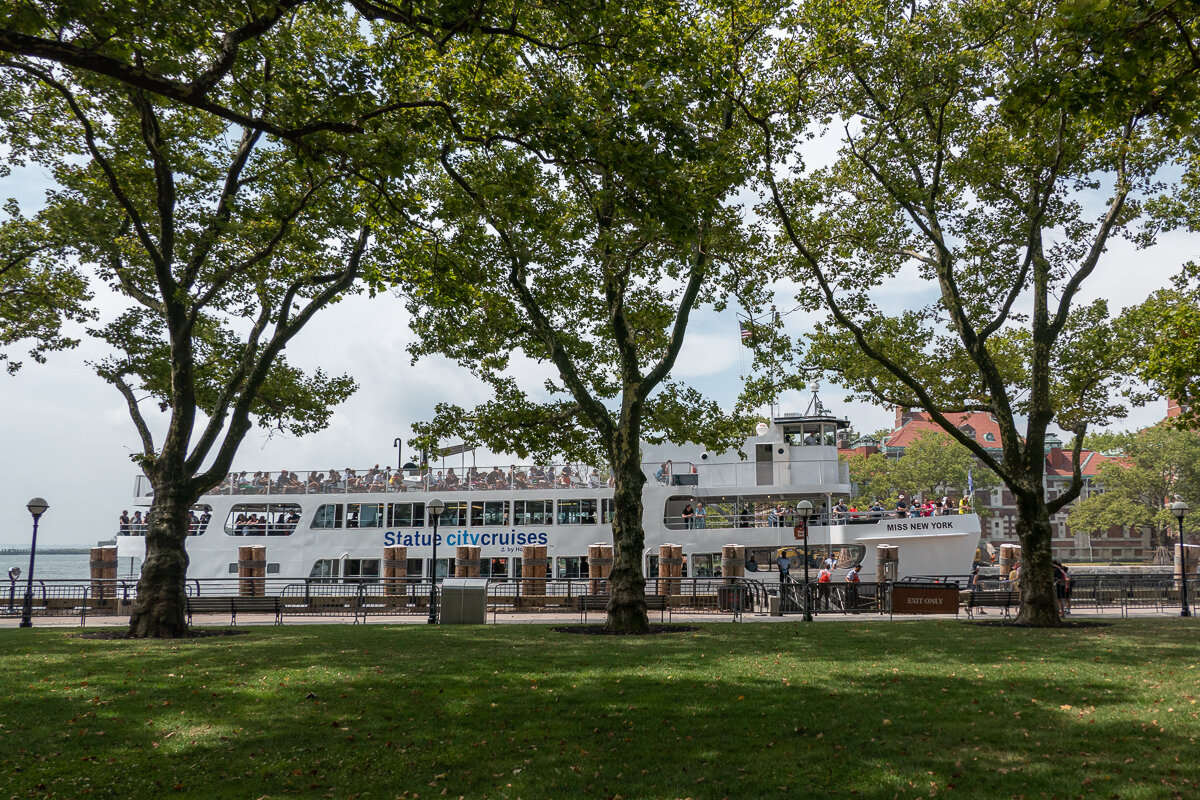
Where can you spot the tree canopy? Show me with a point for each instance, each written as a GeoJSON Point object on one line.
{"type": "Point", "coordinates": [221, 241]}
{"type": "Point", "coordinates": [583, 224]}
{"type": "Point", "coordinates": [39, 292]}
{"type": "Point", "coordinates": [934, 465]}
{"type": "Point", "coordinates": [963, 166]}
{"type": "Point", "coordinates": [1155, 466]}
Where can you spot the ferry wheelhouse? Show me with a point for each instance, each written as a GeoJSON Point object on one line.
{"type": "Point", "coordinates": [334, 525]}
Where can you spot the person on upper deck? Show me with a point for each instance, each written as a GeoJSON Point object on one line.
{"type": "Point", "coordinates": [451, 479]}
{"type": "Point", "coordinates": [496, 479]}
{"type": "Point", "coordinates": [840, 512]}
{"type": "Point", "coordinates": [594, 479]}
{"type": "Point", "coordinates": [810, 439]}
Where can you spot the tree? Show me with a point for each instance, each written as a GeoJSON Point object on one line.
{"type": "Point", "coordinates": [1158, 464]}
{"type": "Point", "coordinates": [224, 244]}
{"type": "Point", "coordinates": [38, 292]}
{"type": "Point", "coordinates": [934, 464]}
{"type": "Point", "coordinates": [589, 220]}
{"type": "Point", "coordinates": [871, 474]}
{"type": "Point", "coordinates": [1163, 335]}
{"type": "Point", "coordinates": [968, 160]}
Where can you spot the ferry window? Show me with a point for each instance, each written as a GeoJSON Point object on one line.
{"type": "Point", "coordinates": [415, 567]}
{"type": "Point", "coordinates": [406, 515]}
{"type": "Point", "coordinates": [572, 567]}
{"type": "Point", "coordinates": [576, 512]}
{"type": "Point", "coordinates": [493, 567]}
{"type": "Point", "coordinates": [363, 570]}
{"type": "Point", "coordinates": [443, 567]}
{"type": "Point", "coordinates": [364, 515]}
{"type": "Point", "coordinates": [198, 519]}
{"type": "Point", "coordinates": [328, 516]}
{"type": "Point", "coordinates": [607, 510]}
{"type": "Point", "coordinates": [489, 512]}
{"type": "Point", "coordinates": [261, 519]}
{"type": "Point", "coordinates": [706, 565]}
{"type": "Point", "coordinates": [847, 556]}
{"type": "Point", "coordinates": [325, 568]}
{"type": "Point", "coordinates": [533, 512]}
{"type": "Point", "coordinates": [272, 568]}
{"type": "Point", "coordinates": [651, 566]}
{"type": "Point", "coordinates": [455, 514]}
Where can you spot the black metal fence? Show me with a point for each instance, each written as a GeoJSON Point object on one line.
{"type": "Point", "coordinates": [732, 597]}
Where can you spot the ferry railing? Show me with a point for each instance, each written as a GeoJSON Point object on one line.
{"type": "Point", "coordinates": [759, 517]}
{"type": "Point", "coordinates": [532, 477]}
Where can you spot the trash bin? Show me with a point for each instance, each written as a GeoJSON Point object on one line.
{"type": "Point", "coordinates": [731, 597]}
{"type": "Point", "coordinates": [773, 607]}
{"type": "Point", "coordinates": [464, 601]}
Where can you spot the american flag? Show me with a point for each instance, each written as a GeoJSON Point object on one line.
{"type": "Point", "coordinates": [747, 330]}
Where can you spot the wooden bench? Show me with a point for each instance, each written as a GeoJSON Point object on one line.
{"type": "Point", "coordinates": [599, 602]}
{"type": "Point", "coordinates": [992, 599]}
{"type": "Point", "coordinates": [233, 606]}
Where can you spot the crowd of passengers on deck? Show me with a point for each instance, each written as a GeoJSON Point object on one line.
{"type": "Point", "coordinates": [137, 524]}
{"type": "Point", "coordinates": [377, 479]}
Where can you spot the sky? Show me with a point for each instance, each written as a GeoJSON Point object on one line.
{"type": "Point", "coordinates": [66, 436]}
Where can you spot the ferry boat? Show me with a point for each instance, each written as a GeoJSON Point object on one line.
{"type": "Point", "coordinates": [334, 526]}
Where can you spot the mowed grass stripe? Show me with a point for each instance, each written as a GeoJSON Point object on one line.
{"type": "Point", "coordinates": [910, 709]}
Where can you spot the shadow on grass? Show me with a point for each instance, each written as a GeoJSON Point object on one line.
{"type": "Point", "coordinates": [507, 711]}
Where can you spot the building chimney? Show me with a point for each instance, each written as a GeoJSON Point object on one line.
{"type": "Point", "coordinates": [901, 413]}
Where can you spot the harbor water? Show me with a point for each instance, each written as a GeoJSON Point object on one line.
{"type": "Point", "coordinates": [62, 566]}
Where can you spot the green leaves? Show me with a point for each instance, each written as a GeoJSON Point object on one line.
{"type": "Point", "coordinates": [580, 221]}
{"type": "Point", "coordinates": [38, 291]}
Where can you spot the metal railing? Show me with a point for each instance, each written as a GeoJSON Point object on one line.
{"type": "Point", "coordinates": [375, 597]}
{"type": "Point", "coordinates": [389, 480]}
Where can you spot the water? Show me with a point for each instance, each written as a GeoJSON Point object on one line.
{"type": "Point", "coordinates": [63, 566]}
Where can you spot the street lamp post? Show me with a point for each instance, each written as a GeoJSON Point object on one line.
{"type": "Point", "coordinates": [435, 508]}
{"type": "Point", "coordinates": [37, 506]}
{"type": "Point", "coordinates": [804, 509]}
{"type": "Point", "coordinates": [1180, 510]}
{"type": "Point", "coordinates": [399, 445]}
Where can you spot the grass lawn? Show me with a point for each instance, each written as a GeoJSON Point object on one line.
{"type": "Point", "coordinates": [862, 709]}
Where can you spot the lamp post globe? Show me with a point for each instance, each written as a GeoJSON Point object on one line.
{"type": "Point", "coordinates": [435, 508]}
{"type": "Point", "coordinates": [37, 506]}
{"type": "Point", "coordinates": [1180, 509]}
{"type": "Point", "coordinates": [805, 509]}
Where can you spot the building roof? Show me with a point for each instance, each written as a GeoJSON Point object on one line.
{"type": "Point", "coordinates": [977, 424]}
{"type": "Point", "coordinates": [980, 425]}
{"type": "Point", "coordinates": [1058, 462]}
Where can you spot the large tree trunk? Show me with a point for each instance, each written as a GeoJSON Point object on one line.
{"type": "Point", "coordinates": [1039, 605]}
{"type": "Point", "coordinates": [627, 609]}
{"type": "Point", "coordinates": [159, 611]}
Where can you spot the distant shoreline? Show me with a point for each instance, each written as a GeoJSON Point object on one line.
{"type": "Point", "coordinates": [49, 551]}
